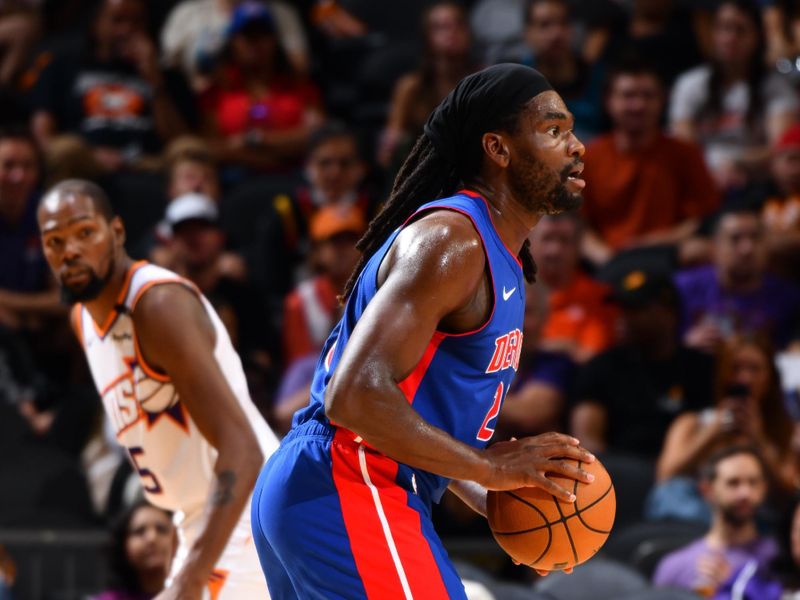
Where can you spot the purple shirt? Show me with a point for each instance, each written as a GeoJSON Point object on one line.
{"type": "Point", "coordinates": [679, 569]}
{"type": "Point", "coordinates": [772, 308]}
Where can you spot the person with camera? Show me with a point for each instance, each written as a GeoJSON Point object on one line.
{"type": "Point", "coordinates": [749, 410]}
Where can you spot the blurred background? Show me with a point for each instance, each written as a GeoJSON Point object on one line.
{"type": "Point", "coordinates": [246, 146]}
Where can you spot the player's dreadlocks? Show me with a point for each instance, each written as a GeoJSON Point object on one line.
{"type": "Point", "coordinates": [449, 152]}
{"type": "Point", "coordinates": [423, 177]}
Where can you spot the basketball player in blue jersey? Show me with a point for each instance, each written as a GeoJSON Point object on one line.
{"type": "Point", "coordinates": [409, 384]}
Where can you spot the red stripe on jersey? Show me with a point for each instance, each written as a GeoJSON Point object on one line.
{"type": "Point", "coordinates": [411, 383]}
{"type": "Point", "coordinates": [409, 571]}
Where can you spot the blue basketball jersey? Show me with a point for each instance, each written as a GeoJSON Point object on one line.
{"type": "Point", "coordinates": [461, 380]}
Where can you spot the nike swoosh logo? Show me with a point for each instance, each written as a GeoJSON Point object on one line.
{"type": "Point", "coordinates": [507, 294]}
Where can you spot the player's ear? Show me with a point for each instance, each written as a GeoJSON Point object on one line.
{"type": "Point", "coordinates": [118, 228]}
{"type": "Point", "coordinates": [496, 148]}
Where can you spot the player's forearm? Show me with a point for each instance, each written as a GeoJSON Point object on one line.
{"type": "Point", "coordinates": [382, 416]}
{"type": "Point", "coordinates": [235, 471]}
{"type": "Point", "coordinates": [472, 494]}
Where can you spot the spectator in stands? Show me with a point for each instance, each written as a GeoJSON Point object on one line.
{"type": "Point", "coordinates": [20, 29]}
{"type": "Point", "coordinates": [749, 409]}
{"type": "Point", "coordinates": [26, 289]}
{"type": "Point", "coordinates": [661, 31]}
{"type": "Point", "coordinates": [447, 58]}
{"type": "Point", "coordinates": [628, 396]}
{"type": "Point", "coordinates": [579, 320]}
{"type": "Point", "coordinates": [643, 187]}
{"type": "Point", "coordinates": [781, 205]}
{"type": "Point", "coordinates": [549, 37]}
{"type": "Point", "coordinates": [143, 544]}
{"type": "Point", "coordinates": [259, 113]}
{"type": "Point", "coordinates": [736, 293]}
{"type": "Point", "coordinates": [312, 308]}
{"type": "Point", "coordinates": [334, 171]}
{"type": "Point", "coordinates": [191, 169]}
{"type": "Point", "coordinates": [733, 106]}
{"type": "Point", "coordinates": [196, 250]}
{"type": "Point", "coordinates": [114, 95]}
{"type": "Point", "coordinates": [194, 35]}
{"type": "Point", "coordinates": [734, 485]}
{"type": "Point", "coordinates": [537, 399]}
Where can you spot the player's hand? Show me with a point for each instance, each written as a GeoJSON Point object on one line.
{"type": "Point", "coordinates": [525, 462]}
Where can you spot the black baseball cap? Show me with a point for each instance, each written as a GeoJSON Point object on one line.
{"type": "Point", "coordinates": [638, 288]}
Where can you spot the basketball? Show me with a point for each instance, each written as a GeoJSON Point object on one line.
{"type": "Point", "coordinates": [537, 529]}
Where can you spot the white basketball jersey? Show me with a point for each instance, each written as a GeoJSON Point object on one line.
{"type": "Point", "coordinates": [174, 461]}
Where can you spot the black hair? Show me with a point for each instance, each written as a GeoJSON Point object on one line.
{"type": "Point", "coordinates": [733, 208]}
{"type": "Point", "coordinates": [756, 71]}
{"type": "Point", "coordinates": [426, 176]}
{"type": "Point", "coordinates": [23, 134]}
{"type": "Point", "coordinates": [708, 472]}
{"type": "Point", "coordinates": [85, 188]}
{"type": "Point", "coordinates": [526, 17]}
{"type": "Point", "coordinates": [330, 130]}
{"type": "Point", "coordinates": [631, 64]}
{"type": "Point", "coordinates": [121, 573]}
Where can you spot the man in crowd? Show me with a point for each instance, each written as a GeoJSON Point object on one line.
{"type": "Point", "coordinates": [736, 293]}
{"type": "Point", "coordinates": [643, 187]}
{"type": "Point", "coordinates": [114, 95]}
{"type": "Point", "coordinates": [734, 484]}
{"type": "Point", "coordinates": [628, 395]}
{"type": "Point", "coordinates": [579, 321]}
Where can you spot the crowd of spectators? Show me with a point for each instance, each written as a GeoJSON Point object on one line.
{"type": "Point", "coordinates": [247, 143]}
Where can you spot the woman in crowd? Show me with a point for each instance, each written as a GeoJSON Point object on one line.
{"type": "Point", "coordinates": [733, 106]}
{"type": "Point", "coordinates": [143, 544]}
{"type": "Point", "coordinates": [446, 60]}
{"type": "Point", "coordinates": [259, 113]}
{"type": "Point", "coordinates": [749, 409]}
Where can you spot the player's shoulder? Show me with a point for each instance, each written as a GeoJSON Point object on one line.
{"type": "Point", "coordinates": [440, 244]}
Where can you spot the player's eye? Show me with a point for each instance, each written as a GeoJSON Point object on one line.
{"type": "Point", "coordinates": [54, 243]}
{"type": "Point", "coordinates": [84, 232]}
{"type": "Point", "coordinates": [554, 130]}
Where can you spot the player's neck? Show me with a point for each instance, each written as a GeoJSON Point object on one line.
{"type": "Point", "coordinates": [724, 535]}
{"type": "Point", "coordinates": [512, 222]}
{"type": "Point", "coordinates": [105, 302]}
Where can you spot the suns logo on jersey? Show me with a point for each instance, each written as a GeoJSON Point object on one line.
{"type": "Point", "coordinates": [507, 349]}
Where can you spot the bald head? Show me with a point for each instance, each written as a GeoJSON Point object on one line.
{"type": "Point", "coordinates": [71, 188]}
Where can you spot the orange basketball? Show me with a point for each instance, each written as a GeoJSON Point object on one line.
{"type": "Point", "coordinates": [537, 529]}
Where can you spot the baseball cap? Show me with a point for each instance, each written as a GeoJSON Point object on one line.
{"type": "Point", "coordinates": [247, 13]}
{"type": "Point", "coordinates": [638, 288]}
{"type": "Point", "coordinates": [789, 140]}
{"type": "Point", "coordinates": [191, 207]}
{"type": "Point", "coordinates": [334, 219]}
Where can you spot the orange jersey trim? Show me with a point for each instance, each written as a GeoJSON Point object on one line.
{"type": "Point", "coordinates": [76, 316]}
{"type": "Point", "coordinates": [150, 371]}
{"type": "Point", "coordinates": [103, 330]}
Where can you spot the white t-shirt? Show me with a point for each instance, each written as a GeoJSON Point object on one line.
{"type": "Point", "coordinates": [726, 136]}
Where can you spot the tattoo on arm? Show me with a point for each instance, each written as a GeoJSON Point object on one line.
{"type": "Point", "coordinates": [224, 492]}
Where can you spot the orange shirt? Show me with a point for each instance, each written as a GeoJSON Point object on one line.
{"type": "Point", "coordinates": [580, 313]}
{"type": "Point", "coordinates": [300, 336]}
{"type": "Point", "coordinates": [631, 194]}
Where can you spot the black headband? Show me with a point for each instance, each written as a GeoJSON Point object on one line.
{"type": "Point", "coordinates": [479, 103]}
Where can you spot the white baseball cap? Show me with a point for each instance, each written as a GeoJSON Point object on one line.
{"type": "Point", "coordinates": [191, 206]}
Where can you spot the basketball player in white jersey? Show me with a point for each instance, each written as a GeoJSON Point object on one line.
{"type": "Point", "coordinates": [172, 386]}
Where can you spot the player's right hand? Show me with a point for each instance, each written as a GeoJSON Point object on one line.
{"type": "Point", "coordinates": [526, 463]}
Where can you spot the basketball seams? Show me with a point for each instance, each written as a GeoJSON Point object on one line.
{"type": "Point", "coordinates": [566, 528]}
{"type": "Point", "coordinates": [590, 505]}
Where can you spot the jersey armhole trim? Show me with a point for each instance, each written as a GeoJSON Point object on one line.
{"type": "Point", "coordinates": [149, 370]}
{"type": "Point", "coordinates": [123, 293]}
{"type": "Point", "coordinates": [76, 316]}
{"type": "Point", "coordinates": [485, 254]}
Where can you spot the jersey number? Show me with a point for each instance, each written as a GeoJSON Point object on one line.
{"type": "Point", "coordinates": [145, 474]}
{"type": "Point", "coordinates": [485, 433]}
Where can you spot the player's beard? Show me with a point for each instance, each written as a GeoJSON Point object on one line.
{"type": "Point", "coordinates": [91, 289]}
{"type": "Point", "coordinates": [540, 189]}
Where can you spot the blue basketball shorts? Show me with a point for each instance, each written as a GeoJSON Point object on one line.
{"type": "Point", "coordinates": [332, 519]}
